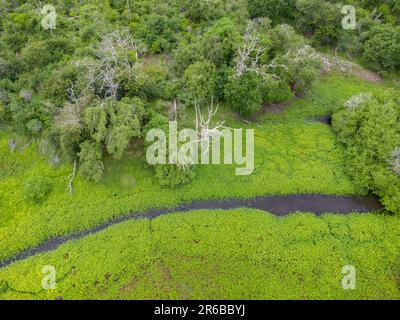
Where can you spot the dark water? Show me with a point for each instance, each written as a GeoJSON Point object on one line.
{"type": "Point", "coordinates": [278, 205]}
{"type": "Point", "coordinates": [323, 119]}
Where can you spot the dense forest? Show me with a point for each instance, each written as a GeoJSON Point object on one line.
{"type": "Point", "coordinates": [111, 70]}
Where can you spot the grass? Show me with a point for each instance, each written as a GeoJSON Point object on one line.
{"type": "Point", "coordinates": [329, 93]}
{"type": "Point", "coordinates": [297, 159]}
{"type": "Point", "coordinates": [292, 155]}
{"type": "Point", "coordinates": [238, 254]}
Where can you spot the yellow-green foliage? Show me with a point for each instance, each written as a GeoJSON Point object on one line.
{"type": "Point", "coordinates": [239, 254]}
{"type": "Point", "coordinates": [288, 159]}
{"type": "Point", "coordinates": [369, 128]}
{"type": "Point", "coordinates": [291, 156]}
{"type": "Point", "coordinates": [326, 95]}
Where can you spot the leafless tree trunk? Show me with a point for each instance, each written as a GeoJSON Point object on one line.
{"type": "Point", "coordinates": [70, 183]}
{"type": "Point", "coordinates": [248, 56]}
{"type": "Point", "coordinates": [204, 129]}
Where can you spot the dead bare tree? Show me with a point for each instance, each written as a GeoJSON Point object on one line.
{"type": "Point", "coordinates": [249, 54]}
{"type": "Point", "coordinates": [70, 186]}
{"type": "Point", "coordinates": [335, 62]}
{"type": "Point", "coordinates": [339, 63]}
{"type": "Point", "coordinates": [204, 129]}
{"type": "Point", "coordinates": [300, 54]}
{"type": "Point", "coordinates": [112, 55]}
{"type": "Point", "coordinates": [113, 45]}
{"type": "Point", "coordinates": [355, 101]}
{"type": "Point", "coordinates": [71, 94]}
{"type": "Point", "coordinates": [71, 113]}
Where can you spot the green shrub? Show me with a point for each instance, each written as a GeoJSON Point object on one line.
{"type": "Point", "coordinates": [167, 175]}
{"type": "Point", "coordinates": [302, 68]}
{"type": "Point", "coordinates": [157, 31]}
{"type": "Point", "coordinates": [155, 80]}
{"type": "Point", "coordinates": [38, 54]}
{"type": "Point", "coordinates": [284, 38]}
{"type": "Point", "coordinates": [200, 10]}
{"type": "Point", "coordinates": [173, 176]}
{"type": "Point", "coordinates": [96, 121]}
{"type": "Point", "coordinates": [125, 124]}
{"type": "Point", "coordinates": [70, 138]}
{"type": "Point", "coordinates": [37, 189]}
{"type": "Point", "coordinates": [350, 42]}
{"type": "Point", "coordinates": [369, 127]}
{"type": "Point", "coordinates": [186, 54]}
{"type": "Point", "coordinates": [221, 81]}
{"type": "Point", "coordinates": [320, 18]}
{"type": "Point", "coordinates": [276, 91]}
{"type": "Point", "coordinates": [276, 10]}
{"type": "Point", "coordinates": [90, 162]}
{"type": "Point", "coordinates": [2, 112]}
{"type": "Point", "coordinates": [34, 126]}
{"type": "Point", "coordinates": [148, 82]}
{"type": "Point", "coordinates": [199, 81]}
{"type": "Point", "coordinates": [244, 93]}
{"type": "Point", "coordinates": [221, 41]}
{"type": "Point", "coordinates": [382, 49]}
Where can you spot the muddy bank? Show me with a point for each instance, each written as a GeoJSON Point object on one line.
{"type": "Point", "coordinates": [278, 205]}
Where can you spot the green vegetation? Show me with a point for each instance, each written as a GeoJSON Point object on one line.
{"type": "Point", "coordinates": [294, 155]}
{"type": "Point", "coordinates": [245, 94]}
{"type": "Point", "coordinates": [239, 254]}
{"type": "Point", "coordinates": [77, 102]}
{"type": "Point", "coordinates": [118, 72]}
{"type": "Point", "coordinates": [36, 190]}
{"type": "Point", "coordinates": [105, 74]}
{"type": "Point", "coordinates": [326, 96]}
{"type": "Point", "coordinates": [369, 127]}
{"type": "Point", "coordinates": [382, 49]}
{"type": "Point", "coordinates": [375, 37]}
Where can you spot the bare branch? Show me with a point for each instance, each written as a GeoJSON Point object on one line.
{"type": "Point", "coordinates": [335, 62]}
{"type": "Point", "coordinates": [113, 55]}
{"type": "Point", "coordinates": [12, 145]}
{"type": "Point", "coordinates": [203, 126]}
{"type": "Point", "coordinates": [248, 56]}
{"type": "Point", "coordinates": [70, 186]}
{"type": "Point", "coordinates": [71, 113]}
